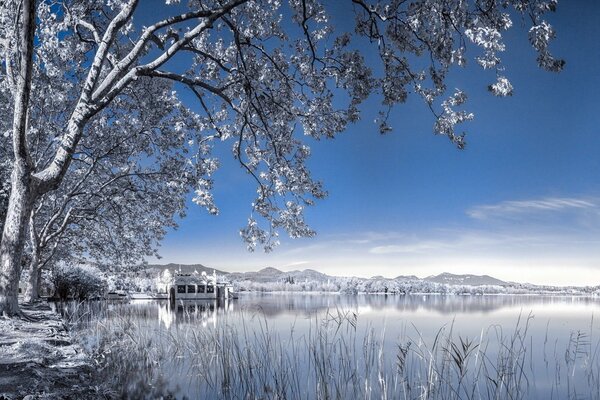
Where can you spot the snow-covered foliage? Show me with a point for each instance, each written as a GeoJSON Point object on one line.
{"type": "Point", "coordinates": [77, 281]}
{"type": "Point", "coordinates": [403, 286]}
{"type": "Point", "coordinates": [135, 282]}
{"type": "Point", "coordinates": [119, 197]}
{"type": "Point", "coordinates": [161, 281]}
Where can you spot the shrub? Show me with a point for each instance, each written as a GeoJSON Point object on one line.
{"type": "Point", "coordinates": [80, 282]}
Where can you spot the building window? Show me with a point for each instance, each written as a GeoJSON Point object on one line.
{"type": "Point", "coordinates": [180, 288]}
{"type": "Point", "coordinates": [191, 289]}
{"type": "Point", "coordinates": [210, 289]}
{"type": "Point", "coordinates": [200, 288]}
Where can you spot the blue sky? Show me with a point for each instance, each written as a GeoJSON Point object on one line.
{"type": "Point", "coordinates": [521, 202]}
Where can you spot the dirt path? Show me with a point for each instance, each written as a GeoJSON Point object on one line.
{"type": "Point", "coordinates": [39, 360]}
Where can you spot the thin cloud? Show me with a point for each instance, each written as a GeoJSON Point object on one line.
{"type": "Point", "coordinates": [295, 264]}
{"type": "Point", "coordinates": [418, 247]}
{"type": "Point", "coordinates": [364, 237]}
{"type": "Point", "coordinates": [550, 204]}
{"type": "Point", "coordinates": [471, 242]}
{"type": "Point", "coordinates": [459, 241]}
{"type": "Point", "coordinates": [346, 242]}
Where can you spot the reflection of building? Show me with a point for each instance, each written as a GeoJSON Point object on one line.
{"type": "Point", "coordinates": [193, 311]}
{"type": "Point", "coordinates": [165, 315]}
{"type": "Point", "coordinates": [198, 287]}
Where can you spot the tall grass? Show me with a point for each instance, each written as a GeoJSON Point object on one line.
{"type": "Point", "coordinates": [336, 357]}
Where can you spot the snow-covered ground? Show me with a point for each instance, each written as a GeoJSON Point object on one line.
{"type": "Point", "coordinates": [38, 359]}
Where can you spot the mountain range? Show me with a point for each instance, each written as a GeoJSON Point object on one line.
{"type": "Point", "coordinates": [271, 274]}
{"type": "Point", "coordinates": [468, 279]}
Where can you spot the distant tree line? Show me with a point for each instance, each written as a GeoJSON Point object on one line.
{"type": "Point", "coordinates": [402, 286]}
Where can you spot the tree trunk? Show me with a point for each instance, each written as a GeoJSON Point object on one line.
{"type": "Point", "coordinates": [13, 238]}
{"type": "Point", "coordinates": [22, 194]}
{"type": "Point", "coordinates": [32, 294]}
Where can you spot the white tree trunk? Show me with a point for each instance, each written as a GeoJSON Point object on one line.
{"type": "Point", "coordinates": [22, 194]}
{"type": "Point", "coordinates": [14, 237]}
{"type": "Point", "coordinates": [32, 293]}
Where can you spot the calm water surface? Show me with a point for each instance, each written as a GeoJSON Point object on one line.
{"type": "Point", "coordinates": [557, 336]}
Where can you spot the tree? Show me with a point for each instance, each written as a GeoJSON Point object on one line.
{"type": "Point", "coordinates": [263, 73]}
{"type": "Point", "coordinates": [115, 216]}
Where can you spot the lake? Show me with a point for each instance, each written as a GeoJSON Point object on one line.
{"type": "Point", "coordinates": [312, 346]}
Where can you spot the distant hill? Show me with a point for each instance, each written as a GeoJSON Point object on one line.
{"type": "Point", "coordinates": [407, 278]}
{"type": "Point", "coordinates": [184, 268]}
{"type": "Point", "coordinates": [468, 279]}
{"type": "Point", "coordinates": [270, 274]}
{"type": "Point", "coordinates": [308, 274]}
{"type": "Point", "coordinates": [264, 275]}
{"type": "Point", "coordinates": [272, 279]}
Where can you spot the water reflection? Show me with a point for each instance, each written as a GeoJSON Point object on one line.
{"type": "Point", "coordinates": [203, 312]}
{"type": "Point", "coordinates": [205, 345]}
{"type": "Point", "coordinates": [279, 307]}
{"type": "Point", "coordinates": [273, 305]}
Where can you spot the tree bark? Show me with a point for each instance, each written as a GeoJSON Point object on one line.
{"type": "Point", "coordinates": [32, 293]}
{"type": "Point", "coordinates": [14, 237]}
{"type": "Point", "coordinates": [22, 195]}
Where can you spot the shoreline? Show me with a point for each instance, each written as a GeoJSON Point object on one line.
{"type": "Point", "coordinates": [134, 296]}
{"type": "Point", "coordinates": [550, 294]}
